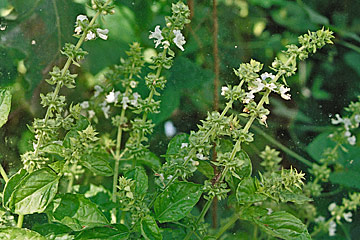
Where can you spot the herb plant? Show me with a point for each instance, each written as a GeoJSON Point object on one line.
{"type": "Point", "coordinates": [149, 198]}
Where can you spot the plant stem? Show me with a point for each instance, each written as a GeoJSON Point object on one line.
{"type": "Point", "coordinates": [232, 220]}
{"type": "Point", "coordinates": [3, 174]}
{"type": "Point", "coordinates": [20, 221]}
{"type": "Point", "coordinates": [216, 56]}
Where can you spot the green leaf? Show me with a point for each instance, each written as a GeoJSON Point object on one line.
{"type": "Point", "coordinates": [150, 159]}
{"type": "Point", "coordinates": [35, 192]}
{"type": "Point", "coordinates": [177, 201]}
{"type": "Point", "coordinates": [149, 229]}
{"type": "Point", "coordinates": [111, 232]}
{"type": "Point", "coordinates": [13, 233]}
{"type": "Point", "coordinates": [253, 212]}
{"type": "Point", "coordinates": [206, 169]}
{"type": "Point", "coordinates": [76, 212]}
{"type": "Point", "coordinates": [10, 187]}
{"type": "Point", "coordinates": [246, 192]}
{"type": "Point", "coordinates": [174, 145]}
{"type": "Point", "coordinates": [296, 197]}
{"type": "Point", "coordinates": [347, 177]}
{"type": "Point", "coordinates": [283, 225]}
{"type": "Point", "coordinates": [173, 233]}
{"type": "Point", "coordinates": [141, 180]}
{"type": "Point", "coordinates": [52, 229]}
{"type": "Point", "coordinates": [54, 148]}
{"type": "Point", "coordinates": [81, 124]}
{"type": "Point", "coordinates": [5, 105]}
{"type": "Point", "coordinates": [318, 145]}
{"type": "Point", "coordinates": [351, 58]}
{"type": "Point", "coordinates": [96, 163]}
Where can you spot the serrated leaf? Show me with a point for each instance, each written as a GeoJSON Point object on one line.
{"type": "Point", "coordinates": [149, 229]}
{"type": "Point", "coordinates": [246, 192]}
{"type": "Point", "coordinates": [96, 163]}
{"type": "Point", "coordinates": [177, 201]}
{"type": "Point", "coordinates": [283, 225]}
{"type": "Point", "coordinates": [10, 187]}
{"type": "Point", "coordinates": [141, 180]}
{"type": "Point", "coordinates": [111, 232]}
{"type": "Point", "coordinates": [246, 167]}
{"type": "Point", "coordinates": [150, 159]}
{"type": "Point", "coordinates": [34, 192]}
{"type": "Point", "coordinates": [13, 233]}
{"type": "Point", "coordinates": [76, 212]}
{"type": "Point", "coordinates": [206, 169]}
{"type": "Point", "coordinates": [5, 105]}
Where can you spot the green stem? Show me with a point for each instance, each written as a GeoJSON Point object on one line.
{"type": "Point", "coordinates": [3, 174]}
{"type": "Point", "coordinates": [231, 222]}
{"type": "Point", "coordinates": [20, 221]}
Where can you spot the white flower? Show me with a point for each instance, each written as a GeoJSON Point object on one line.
{"type": "Point", "coordinates": [352, 140]}
{"type": "Point", "coordinates": [347, 133]}
{"type": "Point", "coordinates": [110, 98]}
{"type": "Point", "coordinates": [98, 90]}
{"type": "Point", "coordinates": [347, 123]}
{"type": "Point", "coordinates": [90, 36]}
{"type": "Point", "coordinates": [35, 146]}
{"type": "Point", "coordinates": [224, 90]}
{"type": "Point", "coordinates": [347, 216]}
{"type": "Point", "coordinates": [106, 109]}
{"type": "Point", "coordinates": [78, 30]}
{"type": "Point", "coordinates": [267, 75]}
{"type": "Point", "coordinates": [134, 101]}
{"type": "Point", "coordinates": [166, 44]}
{"type": "Point", "coordinates": [257, 86]}
{"type": "Point", "coordinates": [248, 96]}
{"type": "Point", "coordinates": [157, 35]}
{"type": "Point", "coordinates": [357, 118]}
{"type": "Point", "coordinates": [179, 39]}
{"type": "Point", "coordinates": [81, 18]}
{"type": "Point", "coordinates": [332, 228]}
{"type": "Point", "coordinates": [184, 145]}
{"type": "Point", "coordinates": [270, 211]}
{"type": "Point", "coordinates": [271, 86]}
{"type": "Point", "coordinates": [91, 114]}
{"type": "Point", "coordinates": [331, 207]}
{"type": "Point", "coordinates": [133, 84]}
{"type": "Point", "coordinates": [319, 219]}
{"type": "Point", "coordinates": [84, 104]}
{"type": "Point", "coordinates": [201, 156]}
{"type": "Point", "coordinates": [283, 91]}
{"type": "Point", "coordinates": [102, 33]}
{"type": "Point", "coordinates": [170, 177]}
{"type": "Point", "coordinates": [125, 100]}
{"type": "Point", "coordinates": [169, 128]}
{"type": "Point", "coordinates": [337, 120]}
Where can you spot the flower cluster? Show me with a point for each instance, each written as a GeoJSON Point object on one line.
{"type": "Point", "coordinates": [82, 25]}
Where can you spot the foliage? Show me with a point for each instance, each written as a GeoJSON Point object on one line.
{"type": "Point", "coordinates": [93, 167]}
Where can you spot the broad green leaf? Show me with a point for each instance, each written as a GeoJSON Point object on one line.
{"type": "Point", "coordinates": [13, 233]}
{"type": "Point", "coordinates": [246, 192]}
{"type": "Point", "coordinates": [149, 229]}
{"type": "Point", "coordinates": [318, 145]}
{"type": "Point", "coordinates": [296, 197]}
{"type": "Point", "coordinates": [347, 177]}
{"type": "Point", "coordinates": [141, 180]}
{"type": "Point", "coordinates": [10, 187]}
{"type": "Point", "coordinates": [35, 192]}
{"type": "Point", "coordinates": [253, 212]}
{"type": "Point", "coordinates": [96, 163]}
{"type": "Point", "coordinates": [150, 159]}
{"type": "Point", "coordinates": [111, 232]}
{"type": "Point", "coordinates": [76, 212]}
{"type": "Point", "coordinates": [54, 148]}
{"type": "Point", "coordinates": [174, 145]}
{"type": "Point", "coordinates": [283, 225]}
{"type": "Point", "coordinates": [53, 230]}
{"type": "Point", "coordinates": [5, 105]}
{"type": "Point", "coordinates": [351, 58]}
{"type": "Point", "coordinates": [177, 201]}
{"type": "Point", "coordinates": [206, 169]}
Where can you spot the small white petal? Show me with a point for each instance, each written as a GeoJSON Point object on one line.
{"type": "Point", "coordinates": [267, 75]}
{"type": "Point", "coordinates": [179, 39]}
{"type": "Point", "coordinates": [332, 206]}
{"type": "Point", "coordinates": [352, 140]}
{"type": "Point", "coordinates": [78, 30]}
{"type": "Point", "coordinates": [81, 18]}
{"type": "Point", "coordinates": [110, 98]}
{"type": "Point", "coordinates": [184, 145]}
{"type": "Point", "coordinates": [102, 33]}
{"type": "Point", "coordinates": [224, 90]}
{"type": "Point", "coordinates": [337, 120]}
{"type": "Point", "coordinates": [283, 92]}
{"type": "Point", "coordinates": [90, 36]}
{"type": "Point", "coordinates": [157, 35]}
{"type": "Point", "coordinates": [347, 216]}
{"type": "Point", "coordinates": [84, 104]}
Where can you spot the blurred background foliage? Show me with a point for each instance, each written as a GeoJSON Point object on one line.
{"type": "Point", "coordinates": [32, 34]}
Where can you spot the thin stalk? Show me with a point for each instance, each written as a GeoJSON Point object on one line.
{"type": "Point", "coordinates": [20, 221]}
{"type": "Point", "coordinates": [3, 174]}
{"type": "Point", "coordinates": [216, 56]}
{"type": "Point", "coordinates": [231, 222]}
